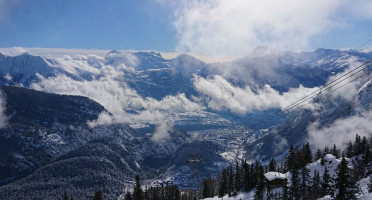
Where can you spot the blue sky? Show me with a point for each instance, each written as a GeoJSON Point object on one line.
{"type": "Point", "coordinates": [109, 24]}
{"type": "Point", "coordinates": [208, 27]}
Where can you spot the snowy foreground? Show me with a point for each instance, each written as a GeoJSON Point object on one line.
{"type": "Point", "coordinates": [331, 162]}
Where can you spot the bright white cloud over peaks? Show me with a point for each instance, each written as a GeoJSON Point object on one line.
{"type": "Point", "coordinates": [235, 27]}
{"type": "Point", "coordinates": [219, 94]}
{"type": "Point", "coordinates": [105, 84]}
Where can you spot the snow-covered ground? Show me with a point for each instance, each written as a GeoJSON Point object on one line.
{"type": "Point", "coordinates": [330, 161]}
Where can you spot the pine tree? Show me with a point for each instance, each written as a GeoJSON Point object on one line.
{"type": "Point", "coordinates": [64, 196]}
{"type": "Point", "coordinates": [290, 161]}
{"type": "Point", "coordinates": [305, 177]}
{"type": "Point", "coordinates": [260, 184]}
{"type": "Point", "coordinates": [231, 189]}
{"type": "Point", "coordinates": [128, 196]}
{"type": "Point", "coordinates": [207, 189]}
{"type": "Point", "coordinates": [318, 154]}
{"type": "Point", "coordinates": [322, 161]}
{"type": "Point", "coordinates": [326, 150]}
{"type": "Point", "coordinates": [307, 155]}
{"type": "Point", "coordinates": [295, 192]}
{"type": "Point", "coordinates": [335, 152]}
{"type": "Point", "coordinates": [246, 177]}
{"type": "Point", "coordinates": [357, 146]}
{"type": "Point", "coordinates": [222, 189]}
{"type": "Point", "coordinates": [316, 189]}
{"type": "Point", "coordinates": [364, 144]}
{"type": "Point", "coordinates": [98, 195]}
{"type": "Point", "coordinates": [367, 155]}
{"type": "Point", "coordinates": [272, 165]}
{"type": "Point", "coordinates": [345, 184]}
{"type": "Point", "coordinates": [238, 178]}
{"type": "Point", "coordinates": [327, 183]}
{"type": "Point", "coordinates": [349, 150]}
{"type": "Point", "coordinates": [137, 193]}
{"type": "Point", "coordinates": [285, 195]}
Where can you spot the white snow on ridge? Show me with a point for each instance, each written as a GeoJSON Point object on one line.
{"type": "Point", "coordinates": [274, 175]}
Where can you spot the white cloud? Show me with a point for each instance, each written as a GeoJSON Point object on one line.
{"type": "Point", "coordinates": [108, 88]}
{"type": "Point", "coordinates": [162, 133]}
{"type": "Point", "coordinates": [341, 131]}
{"type": "Point", "coordinates": [219, 94]}
{"type": "Point", "coordinates": [347, 88]}
{"type": "Point", "coordinates": [235, 27]}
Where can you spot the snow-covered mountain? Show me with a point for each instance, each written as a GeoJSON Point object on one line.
{"type": "Point", "coordinates": [137, 112]}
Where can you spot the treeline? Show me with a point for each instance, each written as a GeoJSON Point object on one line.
{"type": "Point", "coordinates": [245, 177]}
{"type": "Point", "coordinates": [167, 192]}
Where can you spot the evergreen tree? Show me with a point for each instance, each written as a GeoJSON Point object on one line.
{"type": "Point", "coordinates": [357, 171]}
{"type": "Point", "coordinates": [307, 155]}
{"type": "Point", "coordinates": [290, 161]}
{"type": "Point", "coordinates": [327, 183]}
{"type": "Point", "coordinates": [128, 196]}
{"type": "Point", "coordinates": [322, 161]}
{"type": "Point", "coordinates": [246, 177]}
{"type": "Point", "coordinates": [326, 150]}
{"type": "Point", "coordinates": [349, 150]}
{"type": "Point", "coordinates": [295, 192]}
{"type": "Point", "coordinates": [260, 184]}
{"type": "Point", "coordinates": [285, 195]}
{"type": "Point", "coordinates": [98, 195]}
{"type": "Point", "coordinates": [367, 155]}
{"type": "Point", "coordinates": [238, 178]}
{"type": "Point", "coordinates": [207, 188]}
{"type": "Point", "coordinates": [335, 152]}
{"type": "Point", "coordinates": [318, 155]}
{"type": "Point", "coordinates": [222, 189]}
{"type": "Point", "coordinates": [272, 165]}
{"type": "Point", "coordinates": [364, 144]}
{"type": "Point", "coordinates": [231, 189]}
{"type": "Point", "coordinates": [344, 182]}
{"type": "Point", "coordinates": [357, 146]}
{"type": "Point", "coordinates": [305, 177]}
{"type": "Point", "coordinates": [64, 196]}
{"type": "Point", "coordinates": [316, 189]}
{"type": "Point", "coordinates": [137, 193]}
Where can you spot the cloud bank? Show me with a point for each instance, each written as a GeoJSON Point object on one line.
{"type": "Point", "coordinates": [106, 86]}
{"type": "Point", "coordinates": [235, 27]}
{"type": "Point", "coordinates": [219, 94]}
{"type": "Point", "coordinates": [341, 131]}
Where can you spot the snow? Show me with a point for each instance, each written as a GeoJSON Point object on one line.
{"type": "Point", "coordinates": [240, 196]}
{"type": "Point", "coordinates": [330, 161]}
{"type": "Point", "coordinates": [365, 85]}
{"type": "Point", "coordinates": [274, 175]}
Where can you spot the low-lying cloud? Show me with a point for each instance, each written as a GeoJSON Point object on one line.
{"type": "Point", "coordinates": [162, 133]}
{"type": "Point", "coordinates": [219, 94]}
{"type": "Point", "coordinates": [108, 88]}
{"type": "Point", "coordinates": [340, 132]}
